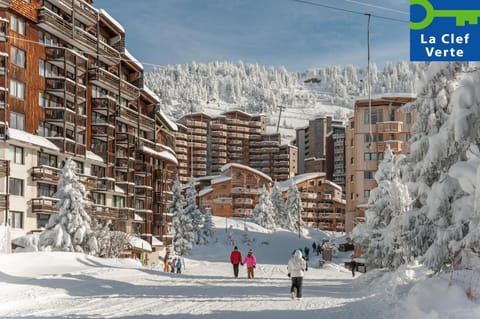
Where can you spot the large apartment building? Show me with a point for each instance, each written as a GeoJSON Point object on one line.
{"type": "Point", "coordinates": [321, 147]}
{"type": "Point", "coordinates": [205, 144]}
{"type": "Point", "coordinates": [70, 89]}
{"type": "Point", "coordinates": [366, 138]}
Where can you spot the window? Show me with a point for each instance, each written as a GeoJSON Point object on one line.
{"type": "Point", "coordinates": [17, 121]}
{"type": "Point", "coordinates": [17, 24]}
{"type": "Point", "coordinates": [98, 171]}
{"type": "Point", "coordinates": [408, 118]}
{"type": "Point", "coordinates": [380, 156]}
{"type": "Point", "coordinates": [15, 219]}
{"type": "Point", "coordinates": [47, 159]}
{"type": "Point", "coordinates": [408, 136]}
{"type": "Point", "coordinates": [47, 39]}
{"type": "Point", "coordinates": [370, 156]}
{"type": "Point", "coordinates": [17, 56]}
{"type": "Point", "coordinates": [46, 190]}
{"type": "Point", "coordinates": [352, 196]}
{"type": "Point", "coordinates": [366, 193]}
{"type": "Point", "coordinates": [392, 114]}
{"type": "Point", "coordinates": [139, 204]}
{"type": "Point", "coordinates": [380, 137]}
{"type": "Point", "coordinates": [42, 220]}
{"type": "Point", "coordinates": [17, 89]}
{"type": "Point", "coordinates": [368, 174]}
{"type": "Point", "coordinates": [16, 154]}
{"type": "Point", "coordinates": [351, 160]}
{"type": "Point", "coordinates": [351, 142]}
{"type": "Point", "coordinates": [79, 169]}
{"type": "Point", "coordinates": [352, 178]}
{"type": "Point", "coordinates": [98, 198]}
{"type": "Point", "coordinates": [47, 100]}
{"type": "Point", "coordinates": [377, 116]}
{"type": "Point", "coordinates": [16, 186]}
{"type": "Point", "coordinates": [391, 137]}
{"type": "Point", "coordinates": [118, 201]}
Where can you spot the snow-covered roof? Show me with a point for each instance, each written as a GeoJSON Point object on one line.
{"type": "Point", "coordinates": [119, 189]}
{"type": "Point", "coordinates": [163, 154]}
{"type": "Point", "coordinates": [220, 179]}
{"type": "Point", "coordinates": [94, 157]}
{"type": "Point", "coordinates": [132, 59]}
{"type": "Point", "coordinates": [248, 168]}
{"type": "Point", "coordinates": [205, 191]}
{"type": "Point", "coordinates": [32, 139]}
{"type": "Point", "coordinates": [188, 115]}
{"type": "Point", "coordinates": [156, 242]}
{"type": "Point", "coordinates": [3, 53]}
{"type": "Point", "coordinates": [386, 96]}
{"type": "Point", "coordinates": [241, 112]}
{"type": "Point", "coordinates": [139, 243]}
{"type": "Point", "coordinates": [284, 185]}
{"type": "Point", "coordinates": [333, 184]}
{"type": "Point", "coordinates": [112, 20]}
{"type": "Point", "coordinates": [151, 93]}
{"type": "Point", "coordinates": [165, 119]}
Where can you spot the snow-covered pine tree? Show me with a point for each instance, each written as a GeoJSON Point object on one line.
{"type": "Point", "coordinates": [207, 229]}
{"type": "Point", "coordinates": [382, 234]}
{"type": "Point", "coordinates": [432, 152]}
{"type": "Point", "coordinates": [110, 243]}
{"type": "Point", "coordinates": [192, 211]}
{"type": "Point", "coordinates": [278, 203]}
{"type": "Point", "coordinates": [263, 213]}
{"type": "Point", "coordinates": [70, 229]}
{"type": "Point", "coordinates": [182, 224]}
{"type": "Point", "coordinates": [293, 209]}
{"type": "Point", "coordinates": [5, 241]}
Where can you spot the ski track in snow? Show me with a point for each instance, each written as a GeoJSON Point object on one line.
{"type": "Point", "coordinates": [208, 291]}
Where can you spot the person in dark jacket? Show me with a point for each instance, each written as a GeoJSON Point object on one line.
{"type": "Point", "coordinates": [353, 264]}
{"type": "Point", "coordinates": [235, 259]}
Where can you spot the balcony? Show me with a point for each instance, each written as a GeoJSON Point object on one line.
{"type": "Point", "coordinates": [390, 127]}
{"type": "Point", "coordinates": [111, 82]}
{"type": "Point", "coordinates": [219, 134]}
{"type": "Point", "coordinates": [44, 205]}
{"type": "Point", "coordinates": [5, 3]}
{"type": "Point", "coordinates": [246, 190]}
{"type": "Point", "coordinates": [196, 124]}
{"type": "Point", "coordinates": [243, 201]}
{"type": "Point", "coordinates": [124, 164]}
{"type": "Point", "coordinates": [46, 174]}
{"type": "Point", "coordinates": [4, 201]}
{"type": "Point", "coordinates": [223, 200]}
{"type": "Point", "coordinates": [102, 130]}
{"type": "Point", "coordinates": [66, 88]}
{"type": "Point", "coordinates": [62, 116]}
{"type": "Point", "coordinates": [143, 191]}
{"type": "Point", "coordinates": [125, 138]}
{"type": "Point", "coordinates": [68, 146]}
{"type": "Point", "coordinates": [106, 106]}
{"type": "Point", "coordinates": [83, 11]}
{"type": "Point", "coordinates": [127, 115]}
{"type": "Point", "coordinates": [146, 123]}
{"type": "Point", "coordinates": [66, 59]}
{"type": "Point", "coordinates": [105, 184]}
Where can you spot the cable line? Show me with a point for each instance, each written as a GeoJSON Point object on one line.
{"type": "Point", "coordinates": [376, 6]}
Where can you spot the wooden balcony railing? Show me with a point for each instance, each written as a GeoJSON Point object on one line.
{"type": "Point", "coordinates": [106, 106]}
{"type": "Point", "coordinates": [62, 56]}
{"type": "Point", "coordinates": [4, 201]}
{"type": "Point", "coordinates": [44, 205]}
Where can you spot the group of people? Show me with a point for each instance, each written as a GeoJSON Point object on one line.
{"type": "Point", "coordinates": [173, 264]}
{"type": "Point", "coordinates": [250, 261]}
{"type": "Point", "coordinates": [297, 265]}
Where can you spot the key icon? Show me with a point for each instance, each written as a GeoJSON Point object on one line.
{"type": "Point", "coordinates": [461, 16]}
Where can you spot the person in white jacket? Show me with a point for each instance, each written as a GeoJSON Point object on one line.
{"type": "Point", "coordinates": [296, 270]}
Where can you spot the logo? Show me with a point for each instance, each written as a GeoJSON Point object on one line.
{"type": "Point", "coordinates": [443, 30]}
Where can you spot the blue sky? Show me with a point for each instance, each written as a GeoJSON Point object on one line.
{"type": "Point", "coordinates": [268, 32]}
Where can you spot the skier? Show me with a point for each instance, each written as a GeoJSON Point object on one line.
{"type": "Point", "coordinates": [251, 262]}
{"type": "Point", "coordinates": [296, 267]}
{"type": "Point", "coordinates": [235, 259]}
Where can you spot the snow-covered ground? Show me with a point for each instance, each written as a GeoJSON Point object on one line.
{"type": "Point", "coordinates": [70, 285]}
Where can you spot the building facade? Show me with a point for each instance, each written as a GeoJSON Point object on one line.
{"type": "Point", "coordinates": [235, 192]}
{"type": "Point", "coordinates": [208, 143]}
{"type": "Point", "coordinates": [367, 136]}
{"type": "Point", "coordinates": [70, 89]}
{"type": "Point", "coordinates": [322, 201]}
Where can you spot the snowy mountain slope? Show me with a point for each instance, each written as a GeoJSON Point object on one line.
{"type": "Point", "coordinates": [71, 285]}
{"type": "Point", "coordinates": [220, 86]}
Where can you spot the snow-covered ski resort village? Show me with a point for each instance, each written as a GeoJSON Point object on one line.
{"type": "Point", "coordinates": [239, 159]}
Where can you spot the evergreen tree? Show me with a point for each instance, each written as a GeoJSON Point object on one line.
{"type": "Point", "coordinates": [192, 211]}
{"type": "Point", "coordinates": [182, 224]}
{"type": "Point", "coordinates": [263, 213]}
{"type": "Point", "coordinates": [382, 234]}
{"type": "Point", "coordinates": [433, 151]}
{"type": "Point", "coordinates": [207, 229]}
{"type": "Point", "coordinates": [278, 203]}
{"type": "Point", "coordinates": [293, 209]}
{"type": "Point", "coordinates": [70, 229]}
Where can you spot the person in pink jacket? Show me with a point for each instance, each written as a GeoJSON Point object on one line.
{"type": "Point", "coordinates": [250, 261]}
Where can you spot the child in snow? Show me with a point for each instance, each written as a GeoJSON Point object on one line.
{"type": "Point", "coordinates": [251, 262]}
{"type": "Point", "coordinates": [179, 265]}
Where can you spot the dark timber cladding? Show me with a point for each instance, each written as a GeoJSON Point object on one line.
{"type": "Point", "coordinates": [65, 72]}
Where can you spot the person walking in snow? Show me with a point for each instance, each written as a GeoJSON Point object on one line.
{"type": "Point", "coordinates": [179, 265]}
{"type": "Point", "coordinates": [166, 264]}
{"type": "Point", "coordinates": [173, 264]}
{"type": "Point", "coordinates": [236, 259]}
{"type": "Point", "coordinates": [353, 264]}
{"type": "Point", "coordinates": [296, 270]}
{"type": "Point", "coordinates": [251, 262]}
